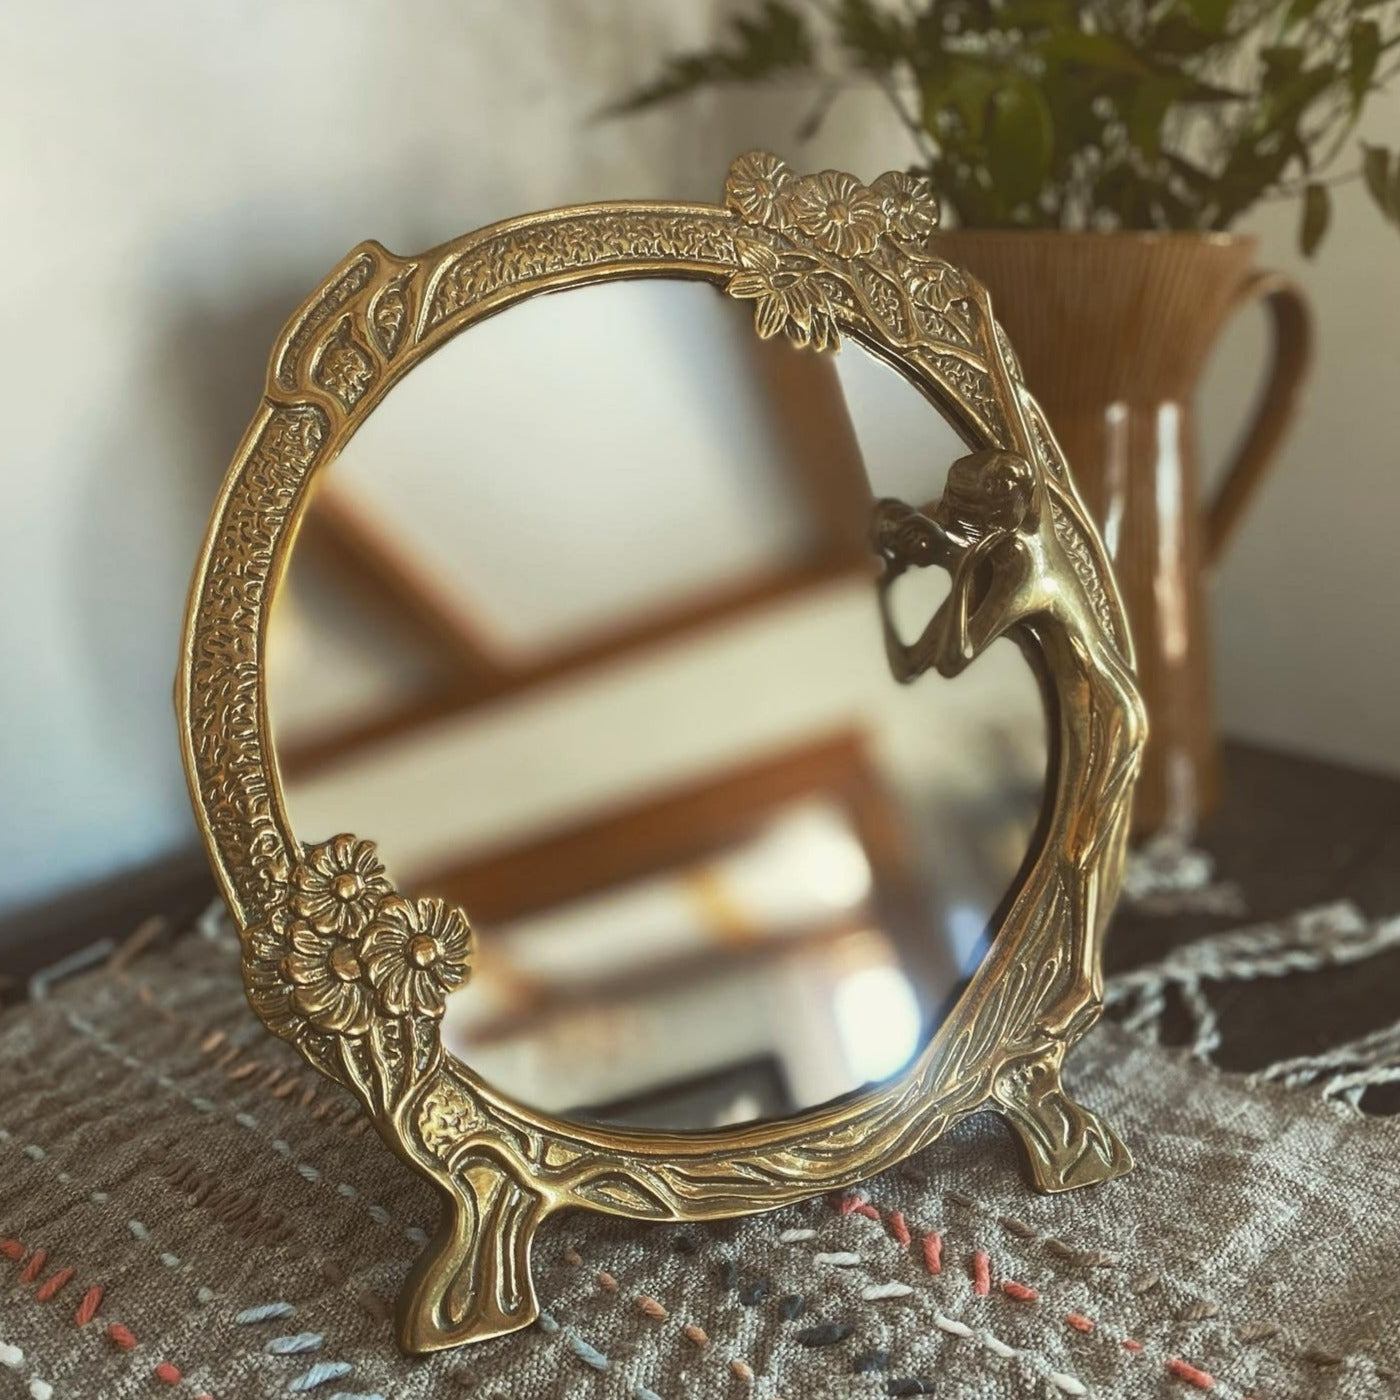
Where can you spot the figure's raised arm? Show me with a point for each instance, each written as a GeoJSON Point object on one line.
{"type": "Point", "coordinates": [985, 599]}
{"type": "Point", "coordinates": [903, 536]}
{"type": "Point", "coordinates": [980, 531]}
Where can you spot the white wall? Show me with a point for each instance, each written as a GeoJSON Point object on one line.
{"type": "Point", "coordinates": [176, 177]}
{"type": "Point", "coordinates": [1307, 636]}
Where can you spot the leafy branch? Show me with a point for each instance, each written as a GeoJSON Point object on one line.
{"type": "Point", "coordinates": [1166, 114]}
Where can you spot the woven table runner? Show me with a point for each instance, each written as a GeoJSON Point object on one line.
{"type": "Point", "coordinates": [187, 1210]}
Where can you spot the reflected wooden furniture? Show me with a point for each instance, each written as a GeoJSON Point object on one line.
{"type": "Point", "coordinates": [684, 823]}
{"type": "Point", "coordinates": [379, 567]}
{"type": "Point", "coordinates": [675, 831]}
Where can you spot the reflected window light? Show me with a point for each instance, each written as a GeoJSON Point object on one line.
{"type": "Point", "coordinates": [967, 932]}
{"type": "Point", "coordinates": [878, 1020]}
{"type": "Point", "coordinates": [808, 861]}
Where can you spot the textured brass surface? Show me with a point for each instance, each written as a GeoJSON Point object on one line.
{"type": "Point", "coordinates": [356, 976]}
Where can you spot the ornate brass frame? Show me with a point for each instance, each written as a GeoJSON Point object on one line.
{"type": "Point", "coordinates": [355, 976]}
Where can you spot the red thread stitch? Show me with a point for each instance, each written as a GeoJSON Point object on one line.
{"type": "Point", "coordinates": [933, 1252]}
{"type": "Point", "coordinates": [1132, 1344]}
{"type": "Point", "coordinates": [1192, 1375]}
{"type": "Point", "coordinates": [1079, 1322]}
{"type": "Point", "coordinates": [1019, 1291]}
{"type": "Point", "coordinates": [850, 1203]}
{"type": "Point", "coordinates": [899, 1229]}
{"type": "Point", "coordinates": [168, 1373]}
{"type": "Point", "coordinates": [31, 1269]}
{"type": "Point", "coordinates": [981, 1273]}
{"type": "Point", "coordinates": [52, 1284]}
{"type": "Point", "coordinates": [122, 1336]}
{"type": "Point", "coordinates": [87, 1309]}
{"type": "Point", "coordinates": [12, 1249]}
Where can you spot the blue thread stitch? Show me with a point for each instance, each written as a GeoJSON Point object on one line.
{"type": "Point", "coordinates": [589, 1355]}
{"type": "Point", "coordinates": [294, 1346]}
{"type": "Point", "coordinates": [319, 1374]}
{"type": "Point", "coordinates": [264, 1312]}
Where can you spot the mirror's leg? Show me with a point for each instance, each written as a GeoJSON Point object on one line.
{"type": "Point", "coordinates": [473, 1280]}
{"type": "Point", "coordinates": [1066, 1145]}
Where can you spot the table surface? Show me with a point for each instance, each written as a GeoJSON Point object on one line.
{"type": "Point", "coordinates": [1292, 833]}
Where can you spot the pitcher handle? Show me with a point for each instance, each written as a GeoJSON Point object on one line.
{"type": "Point", "coordinates": [1293, 338]}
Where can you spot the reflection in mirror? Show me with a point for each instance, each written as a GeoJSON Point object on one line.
{"type": "Point", "coordinates": [582, 630]}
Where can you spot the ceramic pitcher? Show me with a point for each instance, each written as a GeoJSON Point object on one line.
{"type": "Point", "coordinates": [1113, 331]}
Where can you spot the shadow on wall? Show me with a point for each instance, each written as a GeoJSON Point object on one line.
{"type": "Point", "coordinates": [145, 507]}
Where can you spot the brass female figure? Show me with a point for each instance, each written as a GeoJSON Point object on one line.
{"type": "Point", "coordinates": [993, 531]}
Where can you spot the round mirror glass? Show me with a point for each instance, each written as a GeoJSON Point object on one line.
{"type": "Point", "coordinates": [583, 630]}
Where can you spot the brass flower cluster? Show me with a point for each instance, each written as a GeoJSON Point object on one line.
{"type": "Point", "coordinates": [811, 234]}
{"type": "Point", "coordinates": [835, 210]}
{"type": "Point", "coordinates": [354, 947]}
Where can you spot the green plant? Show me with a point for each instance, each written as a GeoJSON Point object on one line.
{"type": "Point", "coordinates": [1179, 114]}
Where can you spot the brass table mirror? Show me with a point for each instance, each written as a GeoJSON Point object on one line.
{"type": "Point", "coordinates": [751, 852]}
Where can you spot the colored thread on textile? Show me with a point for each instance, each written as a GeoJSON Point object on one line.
{"type": "Point", "coordinates": [951, 1325]}
{"type": "Point", "coordinates": [933, 1252]}
{"type": "Point", "coordinates": [264, 1312]}
{"type": "Point", "coordinates": [981, 1273]}
{"type": "Point", "coordinates": [589, 1355]}
{"type": "Point", "coordinates": [52, 1284]}
{"type": "Point", "coordinates": [1192, 1375]}
{"type": "Point", "coordinates": [1079, 1322]}
{"type": "Point", "coordinates": [168, 1373]}
{"type": "Point", "coordinates": [649, 1307]}
{"type": "Point", "coordinates": [375, 1306]}
{"type": "Point", "coordinates": [87, 1309]}
{"type": "Point", "coordinates": [698, 1335]}
{"type": "Point", "coordinates": [121, 1335]}
{"type": "Point", "coordinates": [1019, 1291]}
{"type": "Point", "coordinates": [899, 1229]}
{"type": "Point", "coordinates": [826, 1334]}
{"type": "Point", "coordinates": [36, 1262]}
{"type": "Point", "coordinates": [743, 1370]}
{"type": "Point", "coordinates": [12, 1249]}
{"type": "Point", "coordinates": [1132, 1344]}
{"type": "Point", "coordinates": [319, 1374]}
{"type": "Point", "coordinates": [294, 1346]}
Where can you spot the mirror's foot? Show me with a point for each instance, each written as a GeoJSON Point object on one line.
{"type": "Point", "coordinates": [472, 1281]}
{"type": "Point", "coordinates": [1066, 1145]}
